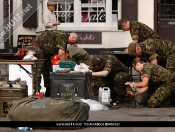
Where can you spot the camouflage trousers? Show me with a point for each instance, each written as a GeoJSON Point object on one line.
{"type": "Point", "coordinates": [44, 69]}
{"type": "Point", "coordinates": [170, 63]}
{"type": "Point", "coordinates": [161, 95]}
{"type": "Point", "coordinates": [116, 84]}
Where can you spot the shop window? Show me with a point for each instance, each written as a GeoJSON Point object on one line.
{"type": "Point", "coordinates": [87, 12]}
{"type": "Point", "coordinates": [93, 11]}
{"type": "Point", "coordinates": [64, 11]}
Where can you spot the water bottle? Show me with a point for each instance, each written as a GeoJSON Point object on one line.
{"type": "Point", "coordinates": [104, 95]}
{"type": "Point", "coordinates": [24, 128]}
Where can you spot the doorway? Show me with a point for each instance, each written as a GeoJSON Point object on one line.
{"type": "Point", "coordinates": [165, 19]}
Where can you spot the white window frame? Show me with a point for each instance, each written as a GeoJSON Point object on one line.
{"type": "Point", "coordinates": [77, 25]}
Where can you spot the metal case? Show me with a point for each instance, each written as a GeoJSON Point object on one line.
{"type": "Point", "coordinates": [8, 94]}
{"type": "Point", "coordinates": [67, 85]}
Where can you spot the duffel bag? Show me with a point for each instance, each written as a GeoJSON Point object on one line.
{"type": "Point", "coordinates": [48, 109]}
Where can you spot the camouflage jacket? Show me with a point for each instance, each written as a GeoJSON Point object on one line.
{"type": "Point", "coordinates": [51, 41]}
{"type": "Point", "coordinates": [156, 48]}
{"type": "Point", "coordinates": [157, 74]}
{"type": "Point", "coordinates": [141, 31]}
{"type": "Point", "coordinates": [114, 66]}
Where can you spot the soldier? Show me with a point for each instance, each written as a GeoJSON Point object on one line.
{"type": "Point", "coordinates": [108, 71]}
{"type": "Point", "coordinates": [139, 31]}
{"type": "Point", "coordinates": [156, 51]}
{"type": "Point", "coordinates": [51, 43]}
{"type": "Point", "coordinates": [161, 80]}
{"type": "Point", "coordinates": [79, 55]}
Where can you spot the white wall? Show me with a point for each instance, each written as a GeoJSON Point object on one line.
{"type": "Point", "coordinates": [146, 12]}
{"type": "Point", "coordinates": [111, 37]}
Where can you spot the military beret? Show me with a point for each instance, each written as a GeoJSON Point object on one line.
{"type": "Point", "coordinates": [132, 49]}
{"type": "Point", "coordinates": [120, 24]}
{"type": "Point", "coordinates": [51, 3]}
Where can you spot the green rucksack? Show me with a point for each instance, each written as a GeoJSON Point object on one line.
{"type": "Point", "coordinates": [48, 109]}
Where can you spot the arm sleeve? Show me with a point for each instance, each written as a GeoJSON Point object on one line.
{"type": "Point", "coordinates": [150, 51]}
{"type": "Point", "coordinates": [108, 65]}
{"type": "Point", "coordinates": [47, 20]}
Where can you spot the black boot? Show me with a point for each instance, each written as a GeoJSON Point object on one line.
{"type": "Point", "coordinates": [35, 91]}
{"type": "Point", "coordinates": [47, 93]}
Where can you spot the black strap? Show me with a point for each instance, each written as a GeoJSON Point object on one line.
{"type": "Point", "coordinates": [30, 74]}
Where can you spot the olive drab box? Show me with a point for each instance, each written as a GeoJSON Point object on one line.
{"type": "Point", "coordinates": [48, 109]}
{"type": "Point", "coordinates": [9, 93]}
{"type": "Point", "coordinates": [67, 85]}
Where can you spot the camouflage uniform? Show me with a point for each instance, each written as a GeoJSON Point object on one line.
{"type": "Point", "coordinates": [161, 82]}
{"type": "Point", "coordinates": [115, 80]}
{"type": "Point", "coordinates": [142, 32]}
{"type": "Point", "coordinates": [50, 42]}
{"type": "Point", "coordinates": [162, 50]}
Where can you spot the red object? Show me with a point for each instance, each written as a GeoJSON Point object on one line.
{"type": "Point", "coordinates": [39, 95]}
{"type": "Point", "coordinates": [56, 62]}
{"type": "Point", "coordinates": [55, 59]}
{"type": "Point", "coordinates": [21, 52]}
{"type": "Point", "coordinates": [34, 43]}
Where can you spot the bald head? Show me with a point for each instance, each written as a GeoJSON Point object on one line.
{"type": "Point", "coordinates": [73, 38]}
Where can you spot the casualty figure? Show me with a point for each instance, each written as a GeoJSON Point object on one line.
{"type": "Point", "coordinates": [156, 79]}
{"type": "Point", "coordinates": [156, 51]}
{"type": "Point", "coordinates": [108, 71]}
{"type": "Point", "coordinates": [51, 43]}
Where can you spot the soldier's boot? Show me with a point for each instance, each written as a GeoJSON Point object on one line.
{"type": "Point", "coordinates": [35, 91]}
{"type": "Point", "coordinates": [47, 93]}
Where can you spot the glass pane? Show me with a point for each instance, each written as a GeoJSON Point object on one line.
{"type": "Point", "coordinates": [162, 10]}
{"type": "Point", "coordinates": [114, 5]}
{"type": "Point", "coordinates": [162, 2]}
{"type": "Point", "coordinates": [114, 10]}
{"type": "Point", "coordinates": [93, 10]}
{"type": "Point", "coordinates": [168, 10]}
{"type": "Point", "coordinates": [168, 1]}
{"type": "Point", "coordinates": [64, 11]}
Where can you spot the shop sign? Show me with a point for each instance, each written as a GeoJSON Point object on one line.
{"type": "Point", "coordinates": [90, 37]}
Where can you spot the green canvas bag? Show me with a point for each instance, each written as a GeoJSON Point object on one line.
{"type": "Point", "coordinates": [48, 109]}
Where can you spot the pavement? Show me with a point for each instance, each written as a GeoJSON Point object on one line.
{"type": "Point", "coordinates": [127, 112]}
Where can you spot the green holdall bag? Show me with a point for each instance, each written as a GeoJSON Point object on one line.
{"type": "Point", "coordinates": [48, 109]}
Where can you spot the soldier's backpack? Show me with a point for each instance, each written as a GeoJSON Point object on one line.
{"type": "Point", "coordinates": [48, 109]}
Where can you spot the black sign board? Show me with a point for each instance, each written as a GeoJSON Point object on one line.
{"type": "Point", "coordinates": [90, 37]}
